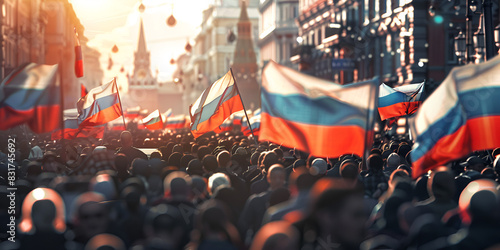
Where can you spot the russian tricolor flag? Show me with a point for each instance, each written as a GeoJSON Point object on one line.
{"type": "Point", "coordinates": [400, 101]}
{"type": "Point", "coordinates": [215, 105]}
{"type": "Point", "coordinates": [315, 115]}
{"type": "Point", "coordinates": [461, 116]}
{"type": "Point", "coordinates": [31, 94]}
{"type": "Point", "coordinates": [254, 123]}
{"type": "Point", "coordinates": [153, 121]}
{"type": "Point", "coordinates": [176, 122]}
{"type": "Point", "coordinates": [100, 105]}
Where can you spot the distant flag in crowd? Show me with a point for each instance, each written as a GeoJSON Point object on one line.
{"type": "Point", "coordinates": [78, 57]}
{"type": "Point", "coordinates": [400, 101]}
{"type": "Point", "coordinates": [153, 121]}
{"type": "Point", "coordinates": [461, 116]}
{"type": "Point", "coordinates": [100, 105]}
{"type": "Point", "coordinates": [167, 114]}
{"type": "Point", "coordinates": [254, 123]}
{"type": "Point", "coordinates": [83, 90]}
{"type": "Point", "coordinates": [132, 113]}
{"type": "Point", "coordinates": [238, 117]}
{"type": "Point", "coordinates": [176, 122]}
{"type": "Point", "coordinates": [215, 105]}
{"type": "Point", "coordinates": [315, 115]}
{"type": "Point", "coordinates": [31, 94]}
{"type": "Point", "coordinates": [72, 131]}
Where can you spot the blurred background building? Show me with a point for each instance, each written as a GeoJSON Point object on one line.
{"type": "Point", "coordinates": [401, 41]}
{"type": "Point", "coordinates": [42, 31]}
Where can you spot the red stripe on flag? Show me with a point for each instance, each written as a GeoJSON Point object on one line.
{"type": "Point", "coordinates": [36, 118]}
{"type": "Point", "coordinates": [320, 141]}
{"type": "Point", "coordinates": [103, 116]}
{"type": "Point", "coordinates": [223, 112]}
{"type": "Point", "coordinates": [398, 109]}
{"type": "Point", "coordinates": [478, 134]}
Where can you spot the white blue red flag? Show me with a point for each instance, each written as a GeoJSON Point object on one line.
{"type": "Point", "coordinates": [101, 105]}
{"type": "Point", "coordinates": [176, 122]}
{"type": "Point", "coordinates": [400, 101]}
{"type": "Point", "coordinates": [254, 124]}
{"type": "Point", "coordinates": [153, 121]}
{"type": "Point", "coordinates": [461, 116]}
{"type": "Point", "coordinates": [315, 115]}
{"type": "Point", "coordinates": [215, 105]}
{"type": "Point", "coordinates": [31, 95]}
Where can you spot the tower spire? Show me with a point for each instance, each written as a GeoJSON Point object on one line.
{"type": "Point", "coordinates": [141, 45]}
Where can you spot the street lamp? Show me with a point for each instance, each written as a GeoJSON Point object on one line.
{"type": "Point", "coordinates": [460, 46]}
{"type": "Point", "coordinates": [497, 36]}
{"type": "Point", "coordinates": [479, 40]}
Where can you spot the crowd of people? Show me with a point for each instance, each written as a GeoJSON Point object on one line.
{"type": "Point", "coordinates": [226, 191]}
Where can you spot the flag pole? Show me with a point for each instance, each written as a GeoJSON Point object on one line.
{"type": "Point", "coordinates": [244, 109]}
{"type": "Point", "coordinates": [61, 110]}
{"type": "Point", "coordinates": [369, 123]}
{"type": "Point", "coordinates": [120, 100]}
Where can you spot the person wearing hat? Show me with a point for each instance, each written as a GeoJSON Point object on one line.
{"type": "Point", "coordinates": [473, 167]}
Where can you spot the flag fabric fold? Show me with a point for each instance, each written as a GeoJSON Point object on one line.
{"type": "Point", "coordinates": [315, 115]}
{"type": "Point", "coordinates": [31, 94]}
{"type": "Point", "coordinates": [227, 125]}
{"type": "Point", "coordinates": [153, 121]}
{"type": "Point", "coordinates": [72, 131]}
{"type": "Point", "coordinates": [400, 101]}
{"type": "Point", "coordinates": [461, 116]}
{"type": "Point", "coordinates": [100, 105]}
{"type": "Point", "coordinates": [215, 105]}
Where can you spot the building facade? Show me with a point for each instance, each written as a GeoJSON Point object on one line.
{"type": "Point", "coordinates": [278, 31]}
{"type": "Point", "coordinates": [214, 45]}
{"type": "Point", "coordinates": [144, 90]}
{"type": "Point", "coordinates": [42, 31]}
{"type": "Point", "coordinates": [399, 41]}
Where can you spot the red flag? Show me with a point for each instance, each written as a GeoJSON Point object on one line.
{"type": "Point", "coordinates": [78, 57]}
{"type": "Point", "coordinates": [84, 90]}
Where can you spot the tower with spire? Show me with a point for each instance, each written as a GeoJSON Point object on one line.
{"type": "Point", "coordinates": [245, 62]}
{"type": "Point", "coordinates": [142, 84]}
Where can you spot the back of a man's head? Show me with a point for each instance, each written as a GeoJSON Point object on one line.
{"type": "Point", "coordinates": [177, 185]}
{"type": "Point", "coordinates": [210, 163]}
{"type": "Point", "coordinates": [223, 158]}
{"type": "Point", "coordinates": [126, 139]}
{"type": "Point", "coordinates": [276, 176]}
{"type": "Point", "coordinates": [441, 185]}
{"type": "Point", "coordinates": [270, 159]}
{"type": "Point", "coordinates": [375, 163]}
{"type": "Point", "coordinates": [349, 171]}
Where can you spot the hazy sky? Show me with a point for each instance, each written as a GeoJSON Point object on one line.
{"type": "Point", "coordinates": [109, 22]}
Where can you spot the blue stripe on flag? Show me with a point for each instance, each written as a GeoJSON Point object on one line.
{"type": "Point", "coordinates": [26, 99]}
{"type": "Point", "coordinates": [210, 108]}
{"type": "Point", "coordinates": [475, 103]}
{"type": "Point", "coordinates": [323, 111]}
{"type": "Point", "coordinates": [98, 105]}
{"type": "Point", "coordinates": [391, 99]}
